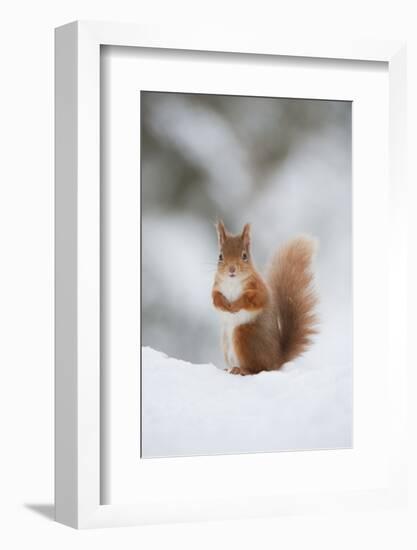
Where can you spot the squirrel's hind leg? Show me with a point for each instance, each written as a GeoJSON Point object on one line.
{"type": "Point", "coordinates": [252, 356]}
{"type": "Point", "coordinates": [236, 370]}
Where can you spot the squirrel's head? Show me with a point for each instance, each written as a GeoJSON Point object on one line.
{"type": "Point", "coordinates": [234, 252]}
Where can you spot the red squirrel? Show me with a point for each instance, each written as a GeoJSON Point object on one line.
{"type": "Point", "coordinates": [265, 322]}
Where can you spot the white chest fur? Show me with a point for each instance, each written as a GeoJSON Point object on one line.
{"type": "Point", "coordinates": [231, 288]}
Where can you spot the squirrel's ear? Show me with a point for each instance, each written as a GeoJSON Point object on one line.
{"type": "Point", "coordinates": [246, 235]}
{"type": "Point", "coordinates": [221, 232]}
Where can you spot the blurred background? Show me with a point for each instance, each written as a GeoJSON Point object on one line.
{"type": "Point", "coordinates": [284, 165]}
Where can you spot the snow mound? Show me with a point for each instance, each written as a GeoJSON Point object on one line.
{"type": "Point", "coordinates": [190, 409]}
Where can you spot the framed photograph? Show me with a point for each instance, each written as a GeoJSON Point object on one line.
{"type": "Point", "coordinates": [230, 275]}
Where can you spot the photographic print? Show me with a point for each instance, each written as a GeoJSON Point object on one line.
{"type": "Point", "coordinates": [246, 274]}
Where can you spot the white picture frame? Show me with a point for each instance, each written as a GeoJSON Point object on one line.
{"type": "Point", "coordinates": [78, 405]}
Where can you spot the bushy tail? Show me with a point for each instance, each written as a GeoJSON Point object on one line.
{"type": "Point", "coordinates": [291, 279]}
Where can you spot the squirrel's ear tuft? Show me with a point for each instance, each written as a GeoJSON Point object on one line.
{"type": "Point", "coordinates": [246, 235]}
{"type": "Point", "coordinates": [221, 232]}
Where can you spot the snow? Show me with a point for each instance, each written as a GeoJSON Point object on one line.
{"type": "Point", "coordinates": [199, 409]}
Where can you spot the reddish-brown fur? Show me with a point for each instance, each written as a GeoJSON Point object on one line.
{"type": "Point", "coordinates": [282, 305]}
{"type": "Point", "coordinates": [291, 281]}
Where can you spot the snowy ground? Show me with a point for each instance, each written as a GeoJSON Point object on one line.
{"type": "Point", "coordinates": [191, 409]}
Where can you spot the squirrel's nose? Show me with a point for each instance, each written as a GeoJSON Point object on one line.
{"type": "Point", "coordinates": [232, 269]}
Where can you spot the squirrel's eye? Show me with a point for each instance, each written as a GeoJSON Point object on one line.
{"type": "Point", "coordinates": [220, 257]}
{"type": "Point", "coordinates": [244, 257]}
